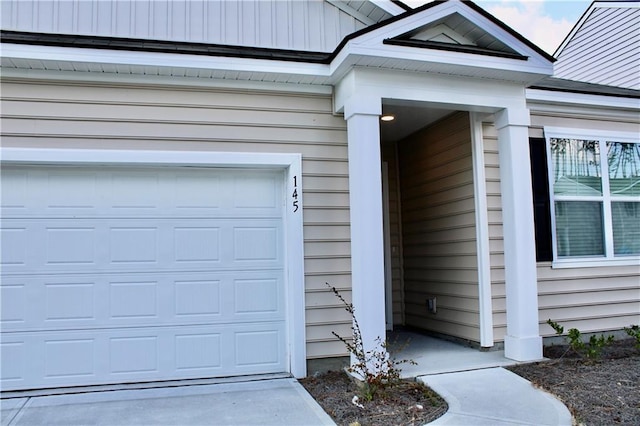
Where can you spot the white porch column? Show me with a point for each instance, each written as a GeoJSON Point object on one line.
{"type": "Point", "coordinates": [365, 194]}
{"type": "Point", "coordinates": [522, 342]}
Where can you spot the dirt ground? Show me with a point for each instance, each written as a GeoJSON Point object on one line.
{"type": "Point", "coordinates": [603, 392]}
{"type": "Point", "coordinates": [409, 403]}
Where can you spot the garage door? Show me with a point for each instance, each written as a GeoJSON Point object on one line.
{"type": "Point", "coordinates": [115, 275]}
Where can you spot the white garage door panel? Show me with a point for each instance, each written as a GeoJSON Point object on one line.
{"type": "Point", "coordinates": [118, 244]}
{"type": "Point", "coordinates": [33, 191]}
{"type": "Point", "coordinates": [60, 302]}
{"type": "Point", "coordinates": [70, 358]}
{"type": "Point", "coordinates": [123, 275]}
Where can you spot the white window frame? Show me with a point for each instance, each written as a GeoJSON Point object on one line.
{"type": "Point", "coordinates": [602, 136]}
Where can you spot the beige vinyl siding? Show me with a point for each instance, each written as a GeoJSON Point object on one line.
{"type": "Point", "coordinates": [588, 298]}
{"type": "Point", "coordinates": [438, 225]}
{"type": "Point", "coordinates": [389, 155]}
{"type": "Point", "coordinates": [496, 243]}
{"type": "Point", "coordinates": [81, 116]}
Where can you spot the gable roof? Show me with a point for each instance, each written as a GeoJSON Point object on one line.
{"type": "Point", "coordinates": [456, 33]}
{"type": "Point", "coordinates": [467, 3]}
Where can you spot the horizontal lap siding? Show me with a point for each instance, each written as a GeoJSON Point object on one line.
{"type": "Point", "coordinates": [154, 118]}
{"type": "Point", "coordinates": [590, 299]}
{"type": "Point", "coordinates": [438, 226]}
{"type": "Point", "coordinates": [496, 244]}
{"type": "Point", "coordinates": [395, 233]}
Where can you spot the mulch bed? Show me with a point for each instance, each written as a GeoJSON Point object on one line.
{"type": "Point", "coordinates": [408, 403]}
{"type": "Point", "coordinates": [597, 392]}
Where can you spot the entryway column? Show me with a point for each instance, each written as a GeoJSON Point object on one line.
{"type": "Point", "coordinates": [365, 194]}
{"type": "Point", "coordinates": [523, 341]}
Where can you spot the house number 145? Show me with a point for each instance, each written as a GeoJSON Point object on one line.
{"type": "Point", "coordinates": [295, 194]}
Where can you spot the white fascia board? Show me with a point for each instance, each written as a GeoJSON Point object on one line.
{"type": "Point", "coordinates": [388, 6]}
{"type": "Point", "coordinates": [466, 60]}
{"type": "Point", "coordinates": [581, 99]}
{"type": "Point", "coordinates": [147, 158]}
{"type": "Point", "coordinates": [94, 77]}
{"type": "Point", "coordinates": [351, 11]}
{"type": "Point", "coordinates": [620, 4]}
{"type": "Point", "coordinates": [171, 60]}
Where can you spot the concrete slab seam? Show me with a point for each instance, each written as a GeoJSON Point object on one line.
{"type": "Point", "coordinates": [313, 404]}
{"type": "Point", "coordinates": [19, 412]}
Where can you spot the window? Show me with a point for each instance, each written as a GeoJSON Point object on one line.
{"type": "Point", "coordinates": [595, 194]}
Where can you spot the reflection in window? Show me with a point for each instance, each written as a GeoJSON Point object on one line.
{"type": "Point", "coordinates": [624, 168]}
{"type": "Point", "coordinates": [596, 197]}
{"type": "Point", "coordinates": [576, 167]}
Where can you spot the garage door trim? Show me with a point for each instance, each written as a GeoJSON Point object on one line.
{"type": "Point", "coordinates": [293, 224]}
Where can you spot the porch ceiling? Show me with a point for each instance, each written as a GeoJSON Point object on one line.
{"type": "Point", "coordinates": [409, 118]}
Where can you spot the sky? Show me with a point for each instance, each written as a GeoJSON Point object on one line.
{"type": "Point", "coordinates": [544, 22]}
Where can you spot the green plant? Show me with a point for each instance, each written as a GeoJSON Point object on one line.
{"type": "Point", "coordinates": [375, 366]}
{"type": "Point", "coordinates": [634, 331]}
{"type": "Point", "coordinates": [592, 348]}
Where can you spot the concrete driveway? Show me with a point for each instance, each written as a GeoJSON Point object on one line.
{"type": "Point", "coordinates": [266, 402]}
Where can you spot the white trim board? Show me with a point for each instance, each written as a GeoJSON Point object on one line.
{"type": "Point", "coordinates": [160, 80]}
{"type": "Point", "coordinates": [535, 96]}
{"type": "Point", "coordinates": [482, 232]}
{"type": "Point", "coordinates": [293, 234]}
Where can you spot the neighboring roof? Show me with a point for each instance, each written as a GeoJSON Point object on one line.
{"type": "Point", "coordinates": [368, 12]}
{"type": "Point", "coordinates": [562, 85]}
{"type": "Point", "coordinates": [603, 46]}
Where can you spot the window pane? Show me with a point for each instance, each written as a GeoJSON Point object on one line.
{"type": "Point", "coordinates": [576, 167]}
{"type": "Point", "coordinates": [626, 228]}
{"type": "Point", "coordinates": [624, 168]}
{"type": "Point", "coordinates": [579, 230]}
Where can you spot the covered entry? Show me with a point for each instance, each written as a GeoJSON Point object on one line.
{"type": "Point", "coordinates": [432, 216]}
{"type": "Point", "coordinates": [459, 74]}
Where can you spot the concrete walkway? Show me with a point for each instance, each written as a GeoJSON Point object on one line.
{"type": "Point", "coordinates": [267, 402]}
{"type": "Point", "coordinates": [492, 396]}
{"type": "Point", "coordinates": [477, 390]}
{"type": "Point", "coordinates": [495, 396]}
{"type": "Point", "coordinates": [436, 356]}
